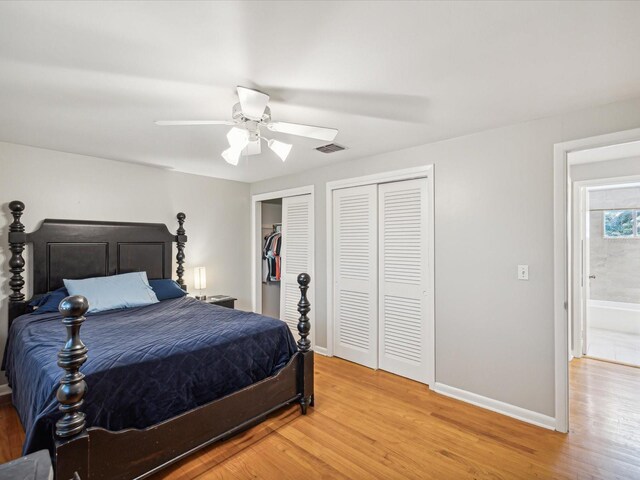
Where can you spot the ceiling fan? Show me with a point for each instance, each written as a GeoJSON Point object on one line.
{"type": "Point", "coordinates": [248, 117]}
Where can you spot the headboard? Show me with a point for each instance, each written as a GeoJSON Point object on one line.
{"type": "Point", "coordinates": [81, 249]}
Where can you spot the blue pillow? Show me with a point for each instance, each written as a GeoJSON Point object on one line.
{"type": "Point", "coordinates": [166, 288]}
{"type": "Point", "coordinates": [49, 302]}
{"type": "Point", "coordinates": [117, 291]}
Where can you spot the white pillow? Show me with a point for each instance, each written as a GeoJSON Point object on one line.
{"type": "Point", "coordinates": [117, 291]}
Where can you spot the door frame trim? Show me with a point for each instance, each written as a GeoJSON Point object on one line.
{"type": "Point", "coordinates": [562, 196]}
{"type": "Point", "coordinates": [256, 246]}
{"type": "Point", "coordinates": [426, 171]}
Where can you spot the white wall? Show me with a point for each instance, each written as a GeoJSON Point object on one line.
{"type": "Point", "coordinates": [623, 167]}
{"type": "Point", "coordinates": [493, 210]}
{"type": "Point", "coordinates": [61, 185]}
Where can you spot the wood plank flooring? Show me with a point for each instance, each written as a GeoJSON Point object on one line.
{"type": "Point", "coordinates": [369, 424]}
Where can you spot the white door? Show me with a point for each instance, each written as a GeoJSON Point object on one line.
{"type": "Point", "coordinates": [355, 274]}
{"type": "Point", "coordinates": [296, 254]}
{"type": "Point", "coordinates": [403, 280]}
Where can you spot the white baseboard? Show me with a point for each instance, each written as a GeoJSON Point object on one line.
{"type": "Point", "coordinates": [5, 390]}
{"type": "Point", "coordinates": [497, 406]}
{"type": "Point", "coordinates": [321, 351]}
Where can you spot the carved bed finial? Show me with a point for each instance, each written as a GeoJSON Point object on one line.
{"type": "Point", "coordinates": [181, 239]}
{"type": "Point", "coordinates": [304, 307]}
{"type": "Point", "coordinates": [304, 345]}
{"type": "Point", "coordinates": [72, 387]}
{"type": "Point", "coordinates": [17, 240]}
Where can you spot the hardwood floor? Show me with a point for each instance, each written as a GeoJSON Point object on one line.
{"type": "Point", "coordinates": [369, 424]}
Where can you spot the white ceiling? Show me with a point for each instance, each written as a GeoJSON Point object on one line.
{"type": "Point", "coordinates": [92, 77]}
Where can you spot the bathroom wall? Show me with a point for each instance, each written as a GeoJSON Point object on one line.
{"type": "Point", "coordinates": [614, 261]}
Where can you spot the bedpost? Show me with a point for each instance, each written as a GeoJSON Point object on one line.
{"type": "Point", "coordinates": [72, 387]}
{"type": "Point", "coordinates": [304, 307]}
{"type": "Point", "coordinates": [304, 345]}
{"type": "Point", "coordinates": [72, 441]}
{"type": "Point", "coordinates": [17, 241]}
{"type": "Point", "coordinates": [181, 239]}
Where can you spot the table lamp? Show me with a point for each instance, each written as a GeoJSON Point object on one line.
{"type": "Point", "coordinates": [200, 281]}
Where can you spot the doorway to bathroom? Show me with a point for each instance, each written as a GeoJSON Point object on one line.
{"type": "Point", "coordinates": [609, 271]}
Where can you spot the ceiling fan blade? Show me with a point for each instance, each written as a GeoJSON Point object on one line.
{"type": "Point", "coordinates": [385, 106]}
{"type": "Point", "coordinates": [253, 148]}
{"type": "Point", "coordinates": [252, 102]}
{"type": "Point", "coordinates": [194, 122]}
{"type": "Point", "coordinates": [319, 133]}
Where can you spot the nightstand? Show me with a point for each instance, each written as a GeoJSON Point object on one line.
{"type": "Point", "coordinates": [221, 300]}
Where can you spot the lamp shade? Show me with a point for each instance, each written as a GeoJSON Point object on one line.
{"type": "Point", "coordinates": [199, 278]}
{"type": "Point", "coordinates": [238, 138]}
{"type": "Point", "coordinates": [232, 155]}
{"type": "Point", "coordinates": [279, 148]}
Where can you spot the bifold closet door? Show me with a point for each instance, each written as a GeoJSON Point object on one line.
{"type": "Point", "coordinates": [296, 251]}
{"type": "Point", "coordinates": [355, 274]}
{"type": "Point", "coordinates": [403, 278]}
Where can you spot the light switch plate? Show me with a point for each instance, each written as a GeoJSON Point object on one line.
{"type": "Point", "coordinates": [523, 272]}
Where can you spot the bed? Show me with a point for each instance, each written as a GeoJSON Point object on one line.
{"type": "Point", "coordinates": [159, 381]}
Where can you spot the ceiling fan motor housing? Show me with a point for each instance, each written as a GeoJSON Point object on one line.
{"type": "Point", "coordinates": [237, 115]}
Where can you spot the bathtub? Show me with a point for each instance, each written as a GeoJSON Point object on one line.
{"type": "Point", "coordinates": [616, 316]}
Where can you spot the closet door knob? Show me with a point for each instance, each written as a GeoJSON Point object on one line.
{"type": "Point", "coordinates": [592, 277]}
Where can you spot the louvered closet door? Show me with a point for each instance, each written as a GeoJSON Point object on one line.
{"type": "Point", "coordinates": [295, 253]}
{"type": "Point", "coordinates": [403, 284]}
{"type": "Point", "coordinates": [355, 274]}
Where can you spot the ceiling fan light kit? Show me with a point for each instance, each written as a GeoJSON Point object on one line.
{"type": "Point", "coordinates": [231, 156]}
{"type": "Point", "coordinates": [238, 138]}
{"type": "Point", "coordinates": [280, 148]}
{"type": "Point", "coordinates": [249, 115]}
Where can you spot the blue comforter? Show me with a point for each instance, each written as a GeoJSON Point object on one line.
{"type": "Point", "coordinates": [145, 364]}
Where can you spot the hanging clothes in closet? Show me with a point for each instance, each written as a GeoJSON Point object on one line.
{"type": "Point", "coordinates": [271, 256]}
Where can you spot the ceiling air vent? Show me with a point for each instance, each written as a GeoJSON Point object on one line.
{"type": "Point", "coordinates": [330, 148]}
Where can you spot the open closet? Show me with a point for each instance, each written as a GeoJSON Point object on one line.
{"type": "Point", "coordinates": [283, 250]}
{"type": "Point", "coordinates": [271, 225]}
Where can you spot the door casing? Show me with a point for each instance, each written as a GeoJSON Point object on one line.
{"type": "Point", "coordinates": [562, 248]}
{"type": "Point", "coordinates": [256, 248]}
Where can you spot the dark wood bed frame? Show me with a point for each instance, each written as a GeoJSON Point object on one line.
{"type": "Point", "coordinates": [81, 249]}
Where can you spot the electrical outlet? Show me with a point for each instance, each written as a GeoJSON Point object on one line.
{"type": "Point", "coordinates": [523, 272]}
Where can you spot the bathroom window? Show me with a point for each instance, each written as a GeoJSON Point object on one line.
{"type": "Point", "coordinates": [621, 223]}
